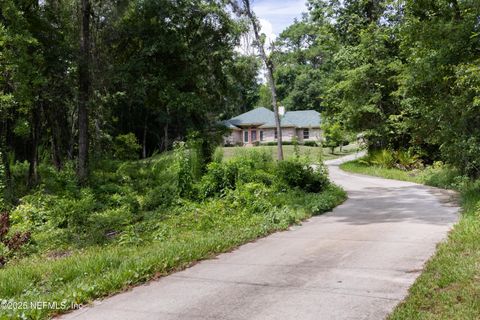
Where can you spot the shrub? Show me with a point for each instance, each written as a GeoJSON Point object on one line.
{"type": "Point", "coordinates": [440, 175]}
{"type": "Point", "coordinates": [253, 197]}
{"type": "Point", "coordinates": [109, 221]}
{"type": "Point", "coordinates": [218, 155]}
{"type": "Point", "coordinates": [311, 143]}
{"type": "Point", "coordinates": [386, 158]}
{"type": "Point", "coordinates": [9, 244]}
{"type": "Point", "coordinates": [183, 163]}
{"type": "Point", "coordinates": [161, 196]}
{"type": "Point", "coordinates": [407, 160]}
{"type": "Point", "coordinates": [126, 147]}
{"type": "Point", "coordinates": [63, 182]}
{"type": "Point", "coordinates": [296, 174]}
{"type": "Point", "coordinates": [218, 178]}
{"type": "Point", "coordinates": [72, 212]}
{"type": "Point", "coordinates": [274, 143]}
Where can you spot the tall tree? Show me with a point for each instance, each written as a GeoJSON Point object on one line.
{"type": "Point", "coordinates": [267, 60]}
{"type": "Point", "coordinates": [84, 83]}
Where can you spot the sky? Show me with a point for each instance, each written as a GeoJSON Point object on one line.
{"type": "Point", "coordinates": [276, 15]}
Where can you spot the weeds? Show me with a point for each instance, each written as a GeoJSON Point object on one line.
{"type": "Point", "coordinates": [144, 218]}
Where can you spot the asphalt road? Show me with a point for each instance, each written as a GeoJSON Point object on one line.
{"type": "Point", "coordinates": [356, 262]}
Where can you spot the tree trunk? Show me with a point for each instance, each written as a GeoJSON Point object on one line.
{"type": "Point", "coordinates": [269, 65]}
{"type": "Point", "coordinates": [144, 142]}
{"type": "Point", "coordinates": [4, 155]}
{"type": "Point", "coordinates": [84, 92]}
{"type": "Point", "coordinates": [165, 136]}
{"type": "Point", "coordinates": [52, 116]}
{"type": "Point", "coordinates": [34, 138]}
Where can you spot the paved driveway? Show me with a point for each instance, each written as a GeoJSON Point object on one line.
{"type": "Point", "coordinates": [356, 262]}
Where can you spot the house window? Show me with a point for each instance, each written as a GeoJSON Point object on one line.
{"type": "Point", "coordinates": [306, 134]}
{"type": "Point", "coordinates": [245, 136]}
{"type": "Point", "coordinates": [275, 134]}
{"type": "Point", "coordinates": [261, 135]}
{"type": "Point", "coordinates": [254, 135]}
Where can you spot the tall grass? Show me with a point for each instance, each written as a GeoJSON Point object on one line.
{"type": "Point", "coordinates": [132, 223]}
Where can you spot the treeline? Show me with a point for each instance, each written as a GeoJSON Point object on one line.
{"type": "Point", "coordinates": [75, 75]}
{"type": "Point", "coordinates": [404, 73]}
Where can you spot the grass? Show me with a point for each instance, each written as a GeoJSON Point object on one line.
{"type": "Point", "coordinates": [377, 171]}
{"type": "Point", "coordinates": [312, 153]}
{"type": "Point", "coordinates": [151, 240]}
{"type": "Point", "coordinates": [449, 287]}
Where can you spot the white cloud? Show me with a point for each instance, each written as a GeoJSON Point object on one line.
{"type": "Point", "coordinates": [267, 28]}
{"type": "Point", "coordinates": [280, 14]}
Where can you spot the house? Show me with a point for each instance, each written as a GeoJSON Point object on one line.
{"type": "Point", "coordinates": [257, 126]}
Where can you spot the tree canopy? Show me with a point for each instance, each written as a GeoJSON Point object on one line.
{"type": "Point", "coordinates": [403, 73]}
{"type": "Point", "coordinates": [155, 68]}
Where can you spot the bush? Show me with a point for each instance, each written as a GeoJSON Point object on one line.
{"type": "Point", "coordinates": [386, 158]}
{"type": "Point", "coordinates": [59, 182]}
{"type": "Point", "coordinates": [10, 242]}
{"type": "Point", "coordinates": [274, 143]}
{"type": "Point", "coordinates": [161, 196]}
{"type": "Point", "coordinates": [126, 147]}
{"type": "Point", "coordinates": [218, 155]}
{"type": "Point", "coordinates": [218, 178]}
{"type": "Point", "coordinates": [407, 160]}
{"type": "Point", "coordinates": [296, 174]}
{"type": "Point", "coordinates": [383, 158]}
{"type": "Point", "coordinates": [311, 143]}
{"type": "Point", "coordinates": [251, 196]}
{"type": "Point", "coordinates": [440, 175]}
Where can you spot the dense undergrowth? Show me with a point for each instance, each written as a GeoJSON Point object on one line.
{"type": "Point", "coordinates": [449, 287]}
{"type": "Point", "coordinates": [141, 219]}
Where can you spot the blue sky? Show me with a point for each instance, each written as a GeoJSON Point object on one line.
{"type": "Point", "coordinates": [276, 15]}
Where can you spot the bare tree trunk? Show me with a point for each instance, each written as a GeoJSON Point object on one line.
{"type": "Point", "coordinates": [54, 118]}
{"type": "Point", "coordinates": [84, 92]}
{"type": "Point", "coordinates": [165, 136]}
{"type": "Point", "coordinates": [34, 138]}
{"type": "Point", "coordinates": [269, 65]}
{"type": "Point", "coordinates": [144, 142]}
{"type": "Point", "coordinates": [4, 127]}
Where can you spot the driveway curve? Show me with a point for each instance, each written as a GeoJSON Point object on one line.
{"type": "Point", "coordinates": [356, 262]}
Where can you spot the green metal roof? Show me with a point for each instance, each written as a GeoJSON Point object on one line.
{"type": "Point", "coordinates": [265, 118]}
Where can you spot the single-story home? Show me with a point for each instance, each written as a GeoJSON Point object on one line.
{"type": "Point", "coordinates": [257, 126]}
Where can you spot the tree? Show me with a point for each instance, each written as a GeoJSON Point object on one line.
{"type": "Point", "coordinates": [439, 81]}
{"type": "Point", "coordinates": [267, 60]}
{"type": "Point", "coordinates": [335, 135]}
{"type": "Point", "coordinates": [84, 83]}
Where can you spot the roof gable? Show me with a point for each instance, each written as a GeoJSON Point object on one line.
{"type": "Point", "coordinates": [303, 118]}
{"type": "Point", "coordinates": [255, 116]}
{"type": "Point", "coordinates": [265, 118]}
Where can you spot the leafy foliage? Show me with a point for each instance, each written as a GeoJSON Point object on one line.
{"type": "Point", "coordinates": [386, 158]}
{"type": "Point", "coordinates": [296, 174]}
{"type": "Point", "coordinates": [135, 220]}
{"type": "Point", "coordinates": [126, 147]}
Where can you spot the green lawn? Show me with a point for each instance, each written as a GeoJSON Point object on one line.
{"type": "Point", "coordinates": [449, 287]}
{"type": "Point", "coordinates": [312, 153]}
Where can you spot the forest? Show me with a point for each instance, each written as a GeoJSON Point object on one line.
{"type": "Point", "coordinates": [109, 125]}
